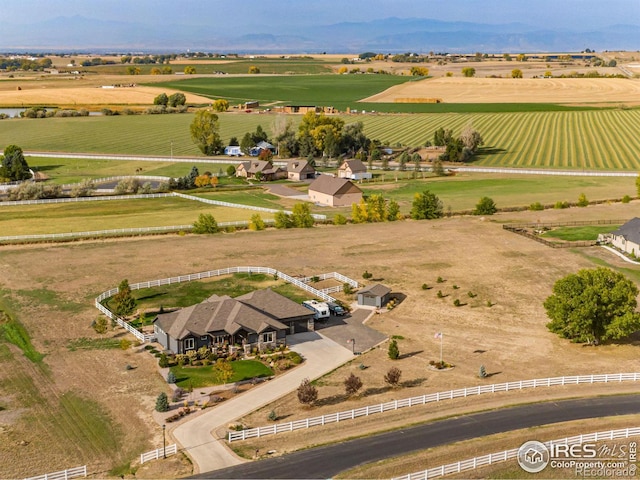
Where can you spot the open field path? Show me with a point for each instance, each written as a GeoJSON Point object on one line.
{"type": "Point", "coordinates": [197, 437]}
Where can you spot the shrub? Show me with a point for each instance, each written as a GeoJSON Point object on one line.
{"type": "Point", "coordinates": [392, 377]}
{"type": "Point", "coordinates": [347, 288]}
{"type": "Point", "coordinates": [352, 384]}
{"type": "Point", "coordinates": [273, 416]}
{"type": "Point", "coordinates": [472, 295]}
{"type": "Point", "coordinates": [100, 324]}
{"type": "Point", "coordinates": [455, 287]}
{"type": "Point", "coordinates": [486, 206]}
{"type": "Point", "coordinates": [482, 373]}
{"type": "Point", "coordinates": [440, 280]}
{"type": "Point", "coordinates": [125, 344]}
{"type": "Point", "coordinates": [307, 393]}
{"type": "Point", "coordinates": [489, 304]}
{"type": "Point", "coordinates": [205, 224]}
{"type": "Point", "coordinates": [394, 351]}
{"type": "Point", "coordinates": [536, 206]}
{"type": "Point", "coordinates": [456, 303]}
{"type": "Point", "coordinates": [256, 223]}
{"type": "Point", "coordinates": [171, 378]}
{"type": "Point", "coordinates": [582, 200]}
{"type": "Point", "coordinates": [295, 358]}
{"type": "Point", "coordinates": [339, 219]}
{"type": "Point", "coordinates": [162, 403]}
{"type": "Point", "coordinates": [439, 294]}
{"type": "Point", "coordinates": [626, 199]}
{"type": "Point", "coordinates": [367, 275]}
{"type": "Point", "coordinates": [177, 394]}
{"type": "Point", "coordinates": [425, 286]}
{"type": "Point", "coordinates": [163, 362]}
{"type": "Point", "coordinates": [559, 205]}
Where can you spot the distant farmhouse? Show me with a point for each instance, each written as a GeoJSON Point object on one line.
{"type": "Point", "coordinates": [300, 170]}
{"type": "Point", "coordinates": [303, 109]}
{"type": "Point", "coordinates": [267, 170]}
{"type": "Point", "coordinates": [261, 319]}
{"type": "Point", "coordinates": [354, 170]}
{"type": "Point", "coordinates": [334, 192]}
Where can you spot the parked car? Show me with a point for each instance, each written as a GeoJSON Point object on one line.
{"type": "Point", "coordinates": [336, 309]}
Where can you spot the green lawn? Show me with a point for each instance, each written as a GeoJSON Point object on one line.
{"type": "Point", "coordinates": [111, 214]}
{"type": "Point", "coordinates": [190, 293]}
{"type": "Point", "coordinates": [462, 192]}
{"type": "Point", "coordinates": [199, 377]}
{"type": "Point", "coordinates": [575, 234]}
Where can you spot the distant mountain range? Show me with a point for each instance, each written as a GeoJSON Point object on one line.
{"type": "Point", "coordinates": [390, 35]}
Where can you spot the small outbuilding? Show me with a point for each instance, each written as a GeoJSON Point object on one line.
{"type": "Point", "coordinates": [353, 170]}
{"type": "Point", "coordinates": [374, 296]}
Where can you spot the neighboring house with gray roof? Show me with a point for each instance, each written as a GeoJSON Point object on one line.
{"type": "Point", "coordinates": [267, 170]}
{"type": "Point", "coordinates": [354, 170]}
{"type": "Point", "coordinates": [335, 192]}
{"type": "Point", "coordinates": [260, 320]}
{"type": "Point", "coordinates": [374, 296]}
{"type": "Point", "coordinates": [627, 237]}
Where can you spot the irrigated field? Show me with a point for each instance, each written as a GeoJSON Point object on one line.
{"type": "Point", "coordinates": [106, 215]}
{"type": "Point", "coordinates": [593, 139]}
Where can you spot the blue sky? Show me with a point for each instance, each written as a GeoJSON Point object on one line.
{"type": "Point", "coordinates": [244, 16]}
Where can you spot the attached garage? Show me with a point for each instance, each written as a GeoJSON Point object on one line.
{"type": "Point", "coordinates": [374, 296]}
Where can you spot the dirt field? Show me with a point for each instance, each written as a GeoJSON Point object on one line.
{"type": "Point", "coordinates": [51, 290]}
{"type": "Point", "coordinates": [524, 90]}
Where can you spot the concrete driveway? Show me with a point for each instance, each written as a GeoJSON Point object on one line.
{"type": "Point", "coordinates": [341, 329]}
{"type": "Point", "coordinates": [197, 438]}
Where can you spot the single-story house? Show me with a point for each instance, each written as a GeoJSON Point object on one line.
{"type": "Point", "coordinates": [627, 237]}
{"type": "Point", "coordinates": [374, 296]}
{"type": "Point", "coordinates": [267, 169]}
{"type": "Point", "coordinates": [335, 192]}
{"type": "Point", "coordinates": [354, 170]}
{"type": "Point", "coordinates": [300, 170]}
{"type": "Point", "coordinates": [260, 320]}
{"type": "Point", "coordinates": [233, 151]}
{"type": "Point", "coordinates": [255, 151]}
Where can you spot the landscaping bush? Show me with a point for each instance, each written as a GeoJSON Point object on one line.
{"type": "Point", "coordinates": [367, 275]}
{"type": "Point", "coordinates": [177, 394]}
{"type": "Point", "coordinates": [439, 294]}
{"type": "Point", "coordinates": [392, 377]}
{"type": "Point", "coordinates": [425, 286]}
{"type": "Point", "coordinates": [162, 403]}
{"type": "Point", "coordinates": [472, 295]}
{"type": "Point", "coordinates": [307, 393]}
{"type": "Point", "coordinates": [347, 288]}
{"type": "Point", "coordinates": [352, 384]}
{"type": "Point", "coordinates": [536, 206]}
{"type": "Point", "coordinates": [482, 373]}
{"type": "Point", "coordinates": [171, 378]}
{"type": "Point", "coordinates": [440, 280]}
{"type": "Point", "coordinates": [582, 200]}
{"type": "Point", "coordinates": [394, 351]}
{"type": "Point", "coordinates": [273, 416]}
{"type": "Point", "coordinates": [295, 358]}
{"type": "Point", "coordinates": [626, 199]}
{"type": "Point", "coordinates": [456, 303]}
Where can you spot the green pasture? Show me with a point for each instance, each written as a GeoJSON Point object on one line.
{"type": "Point", "coordinates": [74, 170]}
{"type": "Point", "coordinates": [576, 234]}
{"type": "Point", "coordinates": [113, 214]}
{"type": "Point", "coordinates": [463, 191]}
{"type": "Point", "coordinates": [199, 377]}
{"type": "Point", "coordinates": [340, 91]}
{"type": "Point", "coordinates": [598, 139]}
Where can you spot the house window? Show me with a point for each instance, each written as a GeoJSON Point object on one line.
{"type": "Point", "coordinates": [204, 338]}
{"type": "Point", "coordinates": [189, 344]}
{"type": "Point", "coordinates": [268, 337]}
{"type": "Point", "coordinates": [220, 339]}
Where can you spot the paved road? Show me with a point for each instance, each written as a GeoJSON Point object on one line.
{"type": "Point", "coordinates": [196, 436]}
{"type": "Point", "coordinates": [326, 462]}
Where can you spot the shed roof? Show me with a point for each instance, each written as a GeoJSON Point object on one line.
{"type": "Point", "coordinates": [377, 290]}
{"type": "Point", "coordinates": [355, 165]}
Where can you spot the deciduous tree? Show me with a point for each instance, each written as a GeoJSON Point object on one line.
{"type": "Point", "coordinates": [392, 377]}
{"type": "Point", "coordinates": [469, 72]}
{"type": "Point", "coordinates": [123, 302]}
{"type": "Point", "coordinates": [426, 206]}
{"type": "Point", "coordinates": [352, 385]}
{"type": "Point", "coordinates": [205, 132]}
{"type": "Point", "coordinates": [205, 224]}
{"type": "Point", "coordinates": [516, 73]}
{"type": "Point", "coordinates": [307, 393]}
{"type": "Point", "coordinates": [486, 206]}
{"type": "Point", "coordinates": [220, 105]}
{"type": "Point", "coordinates": [593, 305]}
{"type": "Point", "coordinates": [223, 370]}
{"type": "Point", "coordinates": [301, 215]}
{"type": "Point", "coordinates": [13, 165]}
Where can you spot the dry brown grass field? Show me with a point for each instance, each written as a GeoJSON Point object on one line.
{"type": "Point", "coordinates": [524, 90]}
{"type": "Point", "coordinates": [50, 289]}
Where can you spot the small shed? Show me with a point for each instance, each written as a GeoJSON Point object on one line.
{"type": "Point", "coordinates": [374, 296]}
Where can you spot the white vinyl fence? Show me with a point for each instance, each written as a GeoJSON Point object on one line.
{"type": "Point", "coordinates": [429, 398]}
{"type": "Point", "coordinates": [100, 198]}
{"type": "Point", "coordinates": [239, 205]}
{"type": "Point", "coordinates": [64, 474]}
{"type": "Point", "coordinates": [199, 276]}
{"type": "Point", "coordinates": [477, 462]}
{"type": "Point", "coordinates": [156, 454]}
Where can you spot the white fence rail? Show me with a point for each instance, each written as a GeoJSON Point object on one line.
{"type": "Point", "coordinates": [156, 454]}
{"type": "Point", "coordinates": [199, 276]}
{"type": "Point", "coordinates": [333, 275]}
{"type": "Point", "coordinates": [483, 461]}
{"type": "Point", "coordinates": [429, 398]}
{"type": "Point", "coordinates": [239, 205]}
{"type": "Point", "coordinates": [101, 198]}
{"type": "Point", "coordinates": [63, 474]}
{"type": "Point", "coordinates": [142, 178]}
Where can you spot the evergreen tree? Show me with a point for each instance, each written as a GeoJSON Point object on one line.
{"type": "Point", "coordinates": [162, 403]}
{"type": "Point", "coordinates": [394, 351]}
{"type": "Point", "coordinates": [123, 301]}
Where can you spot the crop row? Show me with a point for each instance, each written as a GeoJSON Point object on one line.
{"type": "Point", "coordinates": [596, 139]}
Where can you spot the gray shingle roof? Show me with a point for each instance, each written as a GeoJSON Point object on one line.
{"type": "Point", "coordinates": [274, 304]}
{"type": "Point", "coordinates": [630, 230]}
{"type": "Point", "coordinates": [378, 290]}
